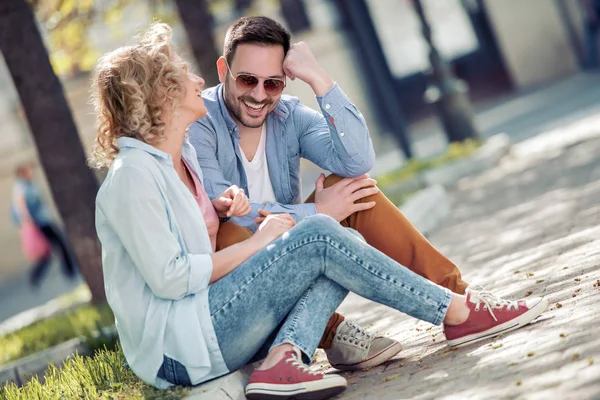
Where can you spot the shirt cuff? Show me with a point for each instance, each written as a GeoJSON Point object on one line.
{"type": "Point", "coordinates": [201, 268]}
{"type": "Point", "coordinates": [333, 101]}
{"type": "Point", "coordinates": [304, 210]}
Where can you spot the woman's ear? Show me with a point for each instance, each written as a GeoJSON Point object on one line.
{"type": "Point", "coordinates": [222, 69]}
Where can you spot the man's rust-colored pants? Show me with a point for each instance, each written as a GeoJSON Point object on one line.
{"type": "Point", "coordinates": [388, 230]}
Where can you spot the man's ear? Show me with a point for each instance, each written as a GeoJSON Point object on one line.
{"type": "Point", "coordinates": [222, 69]}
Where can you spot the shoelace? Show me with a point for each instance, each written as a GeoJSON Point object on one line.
{"type": "Point", "coordinates": [296, 362]}
{"type": "Point", "coordinates": [490, 301]}
{"type": "Point", "coordinates": [356, 334]}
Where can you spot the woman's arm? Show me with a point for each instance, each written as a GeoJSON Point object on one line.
{"type": "Point", "coordinates": [21, 205]}
{"type": "Point", "coordinates": [228, 259]}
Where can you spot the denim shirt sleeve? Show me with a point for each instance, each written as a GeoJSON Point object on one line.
{"type": "Point", "coordinates": [338, 139]}
{"type": "Point", "coordinates": [136, 211]}
{"type": "Point", "coordinates": [215, 183]}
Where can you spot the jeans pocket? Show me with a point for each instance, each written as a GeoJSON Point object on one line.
{"type": "Point", "coordinates": [174, 372]}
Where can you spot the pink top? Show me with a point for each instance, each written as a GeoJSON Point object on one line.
{"type": "Point", "coordinates": [208, 211]}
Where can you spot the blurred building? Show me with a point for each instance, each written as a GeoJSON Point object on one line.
{"type": "Point", "coordinates": [498, 47]}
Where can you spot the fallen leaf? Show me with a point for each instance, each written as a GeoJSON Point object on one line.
{"type": "Point", "coordinates": [528, 293]}
{"type": "Point", "coordinates": [539, 281]}
{"type": "Point", "coordinates": [391, 377]}
{"type": "Point", "coordinates": [530, 354]}
{"type": "Point", "coordinates": [575, 357]}
{"type": "Point", "coordinates": [518, 383]}
{"type": "Point", "coordinates": [517, 271]}
{"type": "Point", "coordinates": [590, 360]}
{"type": "Point", "coordinates": [528, 274]}
{"type": "Point", "coordinates": [497, 346]}
{"type": "Point", "coordinates": [565, 267]}
{"type": "Point", "coordinates": [562, 335]}
{"type": "Point", "coordinates": [578, 290]}
{"type": "Point", "coordinates": [558, 305]}
{"type": "Point", "coordinates": [512, 364]}
{"type": "Point", "coordinates": [577, 279]}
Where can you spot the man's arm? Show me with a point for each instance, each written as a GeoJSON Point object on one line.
{"type": "Point", "coordinates": [337, 140]}
{"type": "Point", "coordinates": [202, 137]}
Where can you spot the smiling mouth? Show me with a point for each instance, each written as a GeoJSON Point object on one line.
{"type": "Point", "coordinates": [256, 107]}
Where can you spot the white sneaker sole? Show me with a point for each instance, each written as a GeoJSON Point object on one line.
{"type": "Point", "coordinates": [508, 326]}
{"type": "Point", "coordinates": [374, 361]}
{"type": "Point", "coordinates": [316, 390]}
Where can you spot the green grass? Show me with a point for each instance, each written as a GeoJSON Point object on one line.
{"type": "Point", "coordinates": [103, 376]}
{"type": "Point", "coordinates": [414, 167]}
{"type": "Point", "coordinates": [81, 321]}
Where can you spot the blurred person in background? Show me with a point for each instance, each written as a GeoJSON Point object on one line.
{"type": "Point", "coordinates": [30, 213]}
{"type": "Point", "coordinates": [186, 312]}
{"type": "Point", "coordinates": [591, 13]}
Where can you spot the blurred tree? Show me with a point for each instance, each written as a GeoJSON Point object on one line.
{"type": "Point", "coordinates": [73, 185]}
{"type": "Point", "coordinates": [198, 22]}
{"type": "Point", "coordinates": [295, 14]}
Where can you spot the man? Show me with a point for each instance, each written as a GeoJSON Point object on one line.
{"type": "Point", "coordinates": [253, 137]}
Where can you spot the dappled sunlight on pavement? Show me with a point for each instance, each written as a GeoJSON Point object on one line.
{"type": "Point", "coordinates": [529, 227]}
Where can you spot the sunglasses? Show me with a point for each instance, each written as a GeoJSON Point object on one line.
{"type": "Point", "coordinates": [245, 82]}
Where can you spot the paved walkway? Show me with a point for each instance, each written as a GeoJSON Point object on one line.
{"type": "Point", "coordinates": [528, 227]}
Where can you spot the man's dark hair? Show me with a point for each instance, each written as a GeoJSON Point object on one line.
{"type": "Point", "coordinates": [255, 30]}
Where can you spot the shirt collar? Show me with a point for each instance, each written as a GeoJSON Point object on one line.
{"type": "Point", "coordinates": [129, 142]}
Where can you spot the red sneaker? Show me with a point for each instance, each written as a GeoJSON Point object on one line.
{"type": "Point", "coordinates": [290, 378]}
{"type": "Point", "coordinates": [491, 316]}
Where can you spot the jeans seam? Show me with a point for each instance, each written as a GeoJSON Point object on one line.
{"type": "Point", "coordinates": [292, 330]}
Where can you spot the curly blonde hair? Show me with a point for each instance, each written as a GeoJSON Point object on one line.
{"type": "Point", "coordinates": [130, 88]}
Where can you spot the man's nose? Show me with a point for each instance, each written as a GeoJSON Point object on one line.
{"type": "Point", "coordinates": [258, 92]}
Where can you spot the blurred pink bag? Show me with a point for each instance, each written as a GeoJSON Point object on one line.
{"type": "Point", "coordinates": [34, 244]}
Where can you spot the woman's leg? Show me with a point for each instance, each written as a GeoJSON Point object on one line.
{"type": "Point", "coordinates": [55, 238]}
{"type": "Point", "coordinates": [41, 266]}
{"type": "Point", "coordinates": [305, 275]}
{"type": "Point", "coordinates": [230, 233]}
{"type": "Point", "coordinates": [262, 295]}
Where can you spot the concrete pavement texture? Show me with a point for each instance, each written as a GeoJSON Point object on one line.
{"type": "Point", "coordinates": [529, 227]}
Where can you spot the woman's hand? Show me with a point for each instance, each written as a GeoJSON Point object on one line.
{"type": "Point", "coordinates": [232, 203]}
{"type": "Point", "coordinates": [272, 227]}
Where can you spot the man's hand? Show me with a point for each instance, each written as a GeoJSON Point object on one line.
{"type": "Point", "coordinates": [301, 63]}
{"type": "Point", "coordinates": [337, 201]}
{"type": "Point", "coordinates": [232, 203]}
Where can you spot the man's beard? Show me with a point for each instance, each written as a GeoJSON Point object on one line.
{"type": "Point", "coordinates": [235, 108]}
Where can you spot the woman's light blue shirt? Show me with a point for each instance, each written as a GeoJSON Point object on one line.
{"type": "Point", "coordinates": [157, 263]}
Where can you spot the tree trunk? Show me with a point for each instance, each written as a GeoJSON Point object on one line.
{"type": "Point", "coordinates": [73, 185]}
{"type": "Point", "coordinates": [198, 23]}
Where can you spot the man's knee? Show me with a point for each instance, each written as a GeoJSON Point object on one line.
{"type": "Point", "coordinates": [230, 233]}
{"type": "Point", "coordinates": [331, 180]}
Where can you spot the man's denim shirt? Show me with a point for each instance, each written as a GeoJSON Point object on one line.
{"type": "Point", "coordinates": [156, 260]}
{"type": "Point", "coordinates": [336, 140]}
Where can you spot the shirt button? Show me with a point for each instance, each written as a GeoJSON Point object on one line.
{"type": "Point", "coordinates": [327, 106]}
{"type": "Point", "coordinates": [342, 134]}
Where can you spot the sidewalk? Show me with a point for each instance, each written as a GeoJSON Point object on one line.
{"type": "Point", "coordinates": [530, 226]}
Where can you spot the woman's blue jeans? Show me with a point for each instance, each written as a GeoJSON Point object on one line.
{"type": "Point", "coordinates": [287, 292]}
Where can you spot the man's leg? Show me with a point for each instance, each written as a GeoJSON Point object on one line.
{"type": "Point", "coordinates": [230, 233]}
{"type": "Point", "coordinates": [388, 230]}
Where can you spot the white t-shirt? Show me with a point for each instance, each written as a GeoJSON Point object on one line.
{"type": "Point", "coordinates": [257, 172]}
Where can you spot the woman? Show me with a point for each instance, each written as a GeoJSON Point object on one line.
{"type": "Point", "coordinates": [28, 207]}
{"type": "Point", "coordinates": [185, 313]}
